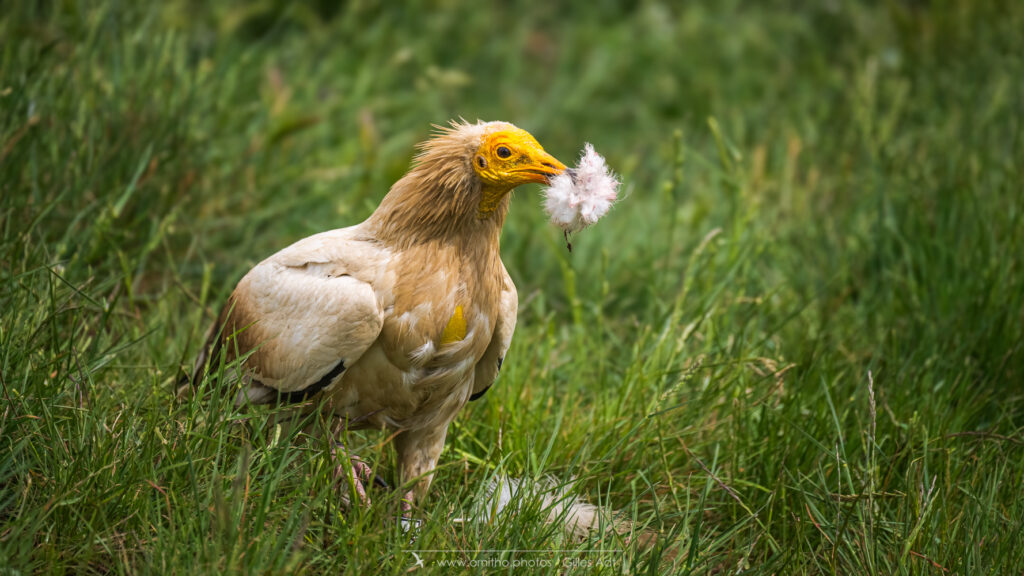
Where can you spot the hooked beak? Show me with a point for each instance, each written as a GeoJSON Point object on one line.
{"type": "Point", "coordinates": [541, 168]}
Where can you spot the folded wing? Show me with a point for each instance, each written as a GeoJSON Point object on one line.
{"type": "Point", "coordinates": [490, 364]}
{"type": "Point", "coordinates": [302, 317]}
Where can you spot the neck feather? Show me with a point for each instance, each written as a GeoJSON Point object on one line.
{"type": "Point", "coordinates": [437, 201]}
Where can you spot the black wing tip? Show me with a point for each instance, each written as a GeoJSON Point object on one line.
{"type": "Point", "coordinates": [301, 395]}
{"type": "Point", "coordinates": [479, 394]}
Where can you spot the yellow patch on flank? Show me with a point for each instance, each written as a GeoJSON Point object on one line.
{"type": "Point", "coordinates": [455, 331]}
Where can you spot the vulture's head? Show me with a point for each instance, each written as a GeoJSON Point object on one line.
{"type": "Point", "coordinates": [507, 156]}
{"type": "Point", "coordinates": [461, 179]}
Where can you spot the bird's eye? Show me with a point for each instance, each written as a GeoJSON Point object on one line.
{"type": "Point", "coordinates": [503, 152]}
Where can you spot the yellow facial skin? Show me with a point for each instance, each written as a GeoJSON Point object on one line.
{"type": "Point", "coordinates": [508, 158]}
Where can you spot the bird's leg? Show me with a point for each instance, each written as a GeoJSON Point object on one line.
{"type": "Point", "coordinates": [418, 451]}
{"type": "Point", "coordinates": [360, 472]}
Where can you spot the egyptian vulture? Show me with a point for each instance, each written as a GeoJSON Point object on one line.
{"type": "Point", "coordinates": [399, 321]}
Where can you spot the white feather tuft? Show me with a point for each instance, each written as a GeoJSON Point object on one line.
{"type": "Point", "coordinates": [578, 198]}
{"type": "Point", "coordinates": [579, 519]}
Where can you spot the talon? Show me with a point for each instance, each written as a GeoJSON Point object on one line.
{"type": "Point", "coordinates": [380, 482]}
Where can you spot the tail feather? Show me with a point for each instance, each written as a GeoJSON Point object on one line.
{"type": "Point", "coordinates": [188, 382]}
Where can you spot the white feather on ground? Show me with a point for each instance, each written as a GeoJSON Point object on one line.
{"type": "Point", "coordinates": [506, 495]}
{"type": "Point", "coordinates": [578, 198]}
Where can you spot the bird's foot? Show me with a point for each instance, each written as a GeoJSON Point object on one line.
{"type": "Point", "coordinates": [355, 471]}
{"type": "Point", "coordinates": [407, 499]}
{"type": "Point", "coordinates": [405, 520]}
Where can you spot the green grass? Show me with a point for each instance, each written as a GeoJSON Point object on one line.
{"type": "Point", "coordinates": [795, 347]}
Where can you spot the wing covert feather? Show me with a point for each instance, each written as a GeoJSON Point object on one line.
{"type": "Point", "coordinates": [301, 314]}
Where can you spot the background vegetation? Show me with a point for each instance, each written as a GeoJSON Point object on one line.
{"type": "Point", "coordinates": [794, 348]}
